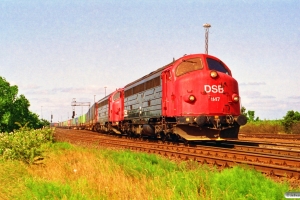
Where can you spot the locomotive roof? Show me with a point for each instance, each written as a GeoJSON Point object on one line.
{"type": "Point", "coordinates": [107, 96]}
{"type": "Point", "coordinates": [164, 67]}
{"type": "Point", "coordinates": [104, 98]}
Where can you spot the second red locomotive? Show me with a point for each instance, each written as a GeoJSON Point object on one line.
{"type": "Point", "coordinates": [193, 98]}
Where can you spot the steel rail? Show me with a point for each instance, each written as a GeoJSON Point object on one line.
{"type": "Point", "coordinates": [271, 136]}
{"type": "Point", "coordinates": [274, 144]}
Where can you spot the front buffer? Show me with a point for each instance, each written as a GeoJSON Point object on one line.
{"type": "Point", "coordinates": [193, 133]}
{"type": "Point", "coordinates": [210, 128]}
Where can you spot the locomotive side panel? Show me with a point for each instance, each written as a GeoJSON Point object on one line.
{"type": "Point", "coordinates": [151, 106]}
{"type": "Point", "coordinates": [143, 99]}
{"type": "Point", "coordinates": [103, 111]}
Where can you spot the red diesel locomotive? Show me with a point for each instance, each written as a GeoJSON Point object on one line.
{"type": "Point", "coordinates": [193, 98]}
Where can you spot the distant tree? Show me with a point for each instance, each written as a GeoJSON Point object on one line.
{"type": "Point", "coordinates": [250, 114]}
{"type": "Point", "coordinates": [15, 109]}
{"type": "Point", "coordinates": [7, 97]}
{"type": "Point", "coordinates": [19, 112]}
{"type": "Point", "coordinates": [290, 119]}
{"type": "Point", "coordinates": [243, 111]}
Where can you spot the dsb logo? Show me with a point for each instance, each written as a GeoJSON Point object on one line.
{"type": "Point", "coordinates": [213, 88]}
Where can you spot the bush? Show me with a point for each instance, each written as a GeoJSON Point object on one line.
{"type": "Point", "coordinates": [290, 120]}
{"type": "Point", "coordinates": [295, 128]}
{"type": "Point", "coordinates": [24, 144]}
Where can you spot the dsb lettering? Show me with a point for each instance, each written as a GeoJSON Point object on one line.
{"type": "Point", "coordinates": [213, 88]}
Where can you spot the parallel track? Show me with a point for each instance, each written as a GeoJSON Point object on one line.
{"type": "Point", "coordinates": [295, 137]}
{"type": "Point", "coordinates": [270, 146]}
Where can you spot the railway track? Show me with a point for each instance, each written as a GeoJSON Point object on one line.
{"type": "Point", "coordinates": [278, 162]}
{"type": "Point", "coordinates": [270, 146]}
{"type": "Point", "coordinates": [295, 137]}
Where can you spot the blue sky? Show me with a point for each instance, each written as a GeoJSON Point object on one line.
{"type": "Point", "coordinates": [55, 51]}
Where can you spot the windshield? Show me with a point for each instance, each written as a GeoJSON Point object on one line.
{"type": "Point", "coordinates": [116, 96]}
{"type": "Point", "coordinates": [216, 65]}
{"type": "Point", "coordinates": [189, 65]}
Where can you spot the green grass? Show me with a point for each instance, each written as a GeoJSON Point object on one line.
{"type": "Point", "coordinates": [239, 183]}
{"type": "Point", "coordinates": [72, 172]}
{"type": "Point", "coordinates": [44, 189]}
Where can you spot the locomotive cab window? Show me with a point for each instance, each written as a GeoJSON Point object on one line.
{"type": "Point", "coordinates": [216, 65]}
{"type": "Point", "coordinates": [189, 65]}
{"type": "Point", "coordinates": [116, 96]}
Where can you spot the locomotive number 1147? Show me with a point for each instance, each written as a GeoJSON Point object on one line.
{"type": "Point", "coordinates": [215, 98]}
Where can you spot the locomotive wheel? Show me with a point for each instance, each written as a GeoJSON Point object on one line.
{"type": "Point", "coordinates": [127, 135]}
{"type": "Point", "coordinates": [163, 137]}
{"type": "Point", "coordinates": [139, 137]}
{"type": "Point", "coordinates": [174, 138]}
{"type": "Point", "coordinates": [131, 135]}
{"type": "Point", "coordinates": [186, 143]}
{"type": "Point", "coordinates": [98, 128]}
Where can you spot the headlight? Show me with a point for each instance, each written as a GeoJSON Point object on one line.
{"type": "Point", "coordinates": [235, 98]}
{"type": "Point", "coordinates": [213, 74]}
{"type": "Point", "coordinates": [192, 98]}
{"type": "Point", "coordinates": [189, 98]}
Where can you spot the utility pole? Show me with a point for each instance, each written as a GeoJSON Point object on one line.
{"type": "Point", "coordinates": [206, 26]}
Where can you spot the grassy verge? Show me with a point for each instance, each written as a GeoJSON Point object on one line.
{"type": "Point", "coordinates": [266, 126]}
{"type": "Point", "coordinates": [270, 126]}
{"type": "Point", "coordinates": [72, 172]}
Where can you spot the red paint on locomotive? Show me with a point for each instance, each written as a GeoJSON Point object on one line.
{"type": "Point", "coordinates": [189, 89]}
{"type": "Point", "coordinates": [116, 106]}
{"type": "Point", "coordinates": [110, 111]}
{"type": "Point", "coordinates": [199, 90]}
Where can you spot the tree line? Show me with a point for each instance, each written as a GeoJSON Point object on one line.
{"type": "Point", "coordinates": [14, 110]}
{"type": "Point", "coordinates": [290, 121]}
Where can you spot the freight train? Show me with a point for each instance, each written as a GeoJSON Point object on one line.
{"type": "Point", "coordinates": [192, 98]}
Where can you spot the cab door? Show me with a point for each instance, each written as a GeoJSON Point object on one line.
{"type": "Point", "coordinates": [167, 93]}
